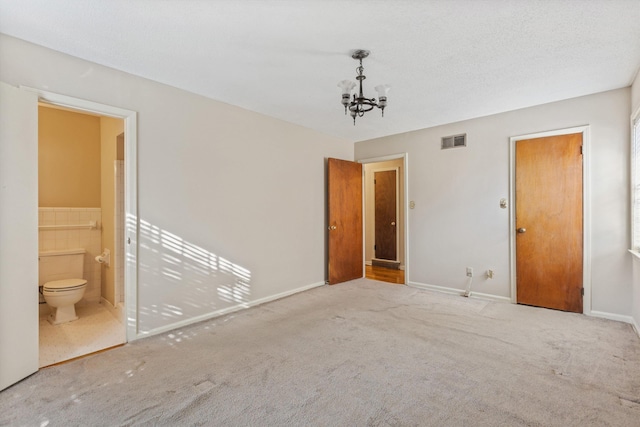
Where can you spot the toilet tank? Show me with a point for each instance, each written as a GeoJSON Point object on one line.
{"type": "Point", "coordinates": [60, 264]}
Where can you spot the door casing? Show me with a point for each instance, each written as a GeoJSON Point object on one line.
{"type": "Point", "coordinates": [405, 217]}
{"type": "Point", "coordinates": [586, 209]}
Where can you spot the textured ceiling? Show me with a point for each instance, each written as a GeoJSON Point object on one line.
{"type": "Point", "coordinates": [446, 60]}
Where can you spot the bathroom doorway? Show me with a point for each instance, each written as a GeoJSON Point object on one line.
{"type": "Point", "coordinates": [19, 227]}
{"type": "Point", "coordinates": [81, 193]}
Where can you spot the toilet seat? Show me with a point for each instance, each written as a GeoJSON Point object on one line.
{"type": "Point", "coordinates": [63, 285]}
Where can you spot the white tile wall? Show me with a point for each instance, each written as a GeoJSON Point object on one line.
{"type": "Point", "coordinates": [89, 239]}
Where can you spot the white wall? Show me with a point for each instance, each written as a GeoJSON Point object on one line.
{"type": "Point", "coordinates": [635, 310]}
{"type": "Point", "coordinates": [231, 203]}
{"type": "Point", "coordinates": [457, 221]}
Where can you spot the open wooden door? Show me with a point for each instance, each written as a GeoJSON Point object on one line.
{"type": "Point", "coordinates": [549, 223]}
{"type": "Point", "coordinates": [346, 259]}
{"type": "Point", "coordinates": [18, 234]}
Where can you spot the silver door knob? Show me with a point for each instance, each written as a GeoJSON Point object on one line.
{"type": "Point", "coordinates": [332, 227]}
{"type": "Point", "coordinates": [393, 223]}
{"type": "Point", "coordinates": [521, 230]}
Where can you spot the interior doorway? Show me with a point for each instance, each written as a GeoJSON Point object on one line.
{"type": "Point", "coordinates": [385, 219]}
{"type": "Point", "coordinates": [125, 215]}
{"type": "Point", "coordinates": [80, 176]}
{"type": "Point", "coordinates": [385, 201]}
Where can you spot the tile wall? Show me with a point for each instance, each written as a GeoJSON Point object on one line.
{"type": "Point", "coordinates": [63, 237]}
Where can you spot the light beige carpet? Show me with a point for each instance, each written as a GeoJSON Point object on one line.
{"type": "Point", "coordinates": [355, 354]}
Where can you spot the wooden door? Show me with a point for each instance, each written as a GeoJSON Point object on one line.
{"type": "Point", "coordinates": [549, 226]}
{"type": "Point", "coordinates": [385, 214]}
{"type": "Point", "coordinates": [19, 234]}
{"type": "Point", "coordinates": [346, 259]}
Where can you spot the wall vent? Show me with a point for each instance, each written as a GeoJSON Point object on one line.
{"type": "Point", "coordinates": [454, 141]}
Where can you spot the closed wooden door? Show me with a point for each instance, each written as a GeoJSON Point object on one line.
{"type": "Point", "coordinates": [346, 259]}
{"type": "Point", "coordinates": [549, 229]}
{"type": "Point", "coordinates": [385, 214]}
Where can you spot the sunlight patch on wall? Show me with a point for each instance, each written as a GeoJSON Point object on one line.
{"type": "Point", "coordinates": [182, 280]}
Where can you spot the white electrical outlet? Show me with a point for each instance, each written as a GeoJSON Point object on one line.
{"type": "Point", "coordinates": [469, 272]}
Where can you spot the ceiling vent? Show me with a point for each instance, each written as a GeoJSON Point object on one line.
{"type": "Point", "coordinates": [454, 141]}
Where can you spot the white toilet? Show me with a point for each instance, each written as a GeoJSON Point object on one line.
{"type": "Point", "coordinates": [60, 275]}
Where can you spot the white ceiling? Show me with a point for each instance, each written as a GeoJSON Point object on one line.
{"type": "Point", "coordinates": [446, 60]}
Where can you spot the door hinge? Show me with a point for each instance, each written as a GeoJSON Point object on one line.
{"type": "Point", "coordinates": [582, 291]}
{"type": "Point", "coordinates": [374, 182]}
{"type": "Point", "coordinates": [581, 150]}
{"type": "Point", "coordinates": [375, 247]}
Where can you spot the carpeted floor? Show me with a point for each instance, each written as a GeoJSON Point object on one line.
{"type": "Point", "coordinates": [355, 354]}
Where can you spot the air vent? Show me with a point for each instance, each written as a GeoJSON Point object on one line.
{"type": "Point", "coordinates": [454, 141]}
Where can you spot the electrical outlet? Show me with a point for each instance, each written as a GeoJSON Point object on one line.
{"type": "Point", "coordinates": [489, 274]}
{"type": "Point", "coordinates": [469, 272]}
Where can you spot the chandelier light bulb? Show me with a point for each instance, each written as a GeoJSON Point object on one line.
{"type": "Point", "coordinates": [346, 86]}
{"type": "Point", "coordinates": [382, 91]}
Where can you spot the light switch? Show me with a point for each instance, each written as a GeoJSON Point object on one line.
{"type": "Point", "coordinates": [503, 203]}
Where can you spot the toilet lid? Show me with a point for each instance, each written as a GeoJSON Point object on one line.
{"type": "Point", "coordinates": [64, 284]}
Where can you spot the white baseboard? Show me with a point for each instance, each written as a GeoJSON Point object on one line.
{"type": "Point", "coordinates": [617, 317]}
{"type": "Point", "coordinates": [454, 291]}
{"type": "Point", "coordinates": [442, 289]}
{"type": "Point", "coordinates": [224, 311]}
{"type": "Point", "coordinates": [490, 297]}
{"type": "Point", "coordinates": [369, 263]}
{"type": "Point", "coordinates": [636, 327]}
{"type": "Point", "coordinates": [107, 304]}
{"type": "Point", "coordinates": [117, 311]}
{"type": "Point", "coordinates": [611, 316]}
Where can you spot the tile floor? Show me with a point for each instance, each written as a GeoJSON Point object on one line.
{"type": "Point", "coordinates": [95, 329]}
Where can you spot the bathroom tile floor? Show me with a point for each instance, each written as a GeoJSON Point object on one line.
{"type": "Point", "coordinates": [95, 330]}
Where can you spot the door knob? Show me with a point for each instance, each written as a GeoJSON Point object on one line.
{"type": "Point", "coordinates": [393, 223]}
{"type": "Point", "coordinates": [521, 230]}
{"type": "Point", "coordinates": [332, 227]}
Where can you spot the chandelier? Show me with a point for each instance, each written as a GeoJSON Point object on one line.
{"type": "Point", "coordinates": [359, 104]}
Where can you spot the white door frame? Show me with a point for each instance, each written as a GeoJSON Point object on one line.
{"type": "Point", "coordinates": [405, 168]}
{"type": "Point", "coordinates": [586, 209]}
{"type": "Point", "coordinates": [130, 189]}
